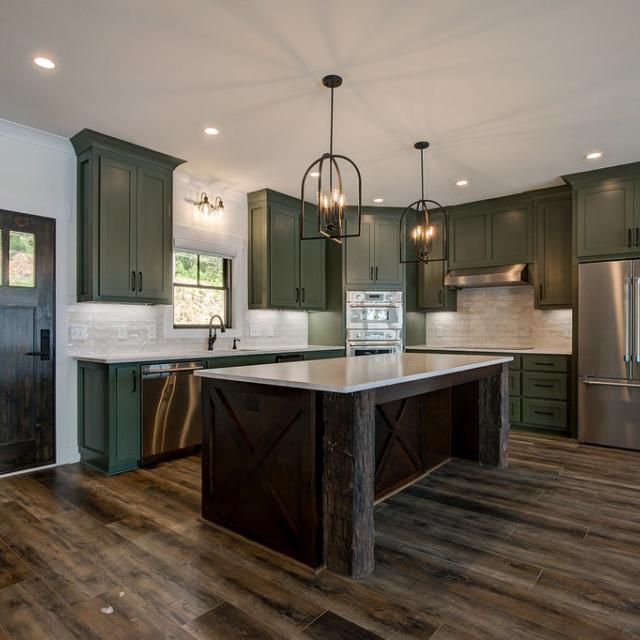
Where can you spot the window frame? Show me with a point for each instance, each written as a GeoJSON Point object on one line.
{"type": "Point", "coordinates": [227, 275]}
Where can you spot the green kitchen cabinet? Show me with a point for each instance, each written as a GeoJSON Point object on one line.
{"type": "Point", "coordinates": [285, 272]}
{"type": "Point", "coordinates": [109, 429]}
{"type": "Point", "coordinates": [432, 294]}
{"type": "Point", "coordinates": [491, 233]}
{"type": "Point", "coordinates": [552, 277]}
{"type": "Point", "coordinates": [124, 221]}
{"type": "Point", "coordinates": [372, 260]}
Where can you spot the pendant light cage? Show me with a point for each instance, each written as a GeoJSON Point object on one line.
{"type": "Point", "coordinates": [329, 214]}
{"type": "Point", "coordinates": [424, 233]}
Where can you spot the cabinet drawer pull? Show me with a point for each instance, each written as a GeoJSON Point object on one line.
{"type": "Point", "coordinates": [544, 413]}
{"type": "Point", "coordinates": [133, 281]}
{"type": "Point", "coordinates": [140, 281]}
{"type": "Point", "coordinates": [544, 386]}
{"type": "Point", "coordinates": [544, 364]}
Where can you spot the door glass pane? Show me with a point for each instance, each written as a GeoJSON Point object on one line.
{"type": "Point", "coordinates": [211, 271]}
{"type": "Point", "coordinates": [22, 259]}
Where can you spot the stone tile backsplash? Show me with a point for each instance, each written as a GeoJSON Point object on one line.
{"type": "Point", "coordinates": [118, 328]}
{"type": "Point", "coordinates": [500, 317]}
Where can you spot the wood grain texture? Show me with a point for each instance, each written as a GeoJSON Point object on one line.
{"type": "Point", "coordinates": [544, 549]}
{"type": "Point", "coordinates": [348, 482]}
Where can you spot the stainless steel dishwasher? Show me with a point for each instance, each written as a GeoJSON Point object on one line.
{"type": "Point", "coordinates": [171, 411]}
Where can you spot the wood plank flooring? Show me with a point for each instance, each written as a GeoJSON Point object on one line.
{"type": "Point", "coordinates": [549, 548]}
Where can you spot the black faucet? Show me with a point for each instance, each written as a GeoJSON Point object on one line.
{"type": "Point", "coordinates": [213, 337]}
{"type": "Point", "coordinates": [235, 343]}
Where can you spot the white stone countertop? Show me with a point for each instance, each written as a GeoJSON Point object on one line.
{"type": "Point", "coordinates": [549, 351]}
{"type": "Point", "coordinates": [152, 356]}
{"type": "Point", "coordinates": [355, 373]}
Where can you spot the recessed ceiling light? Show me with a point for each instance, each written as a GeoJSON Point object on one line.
{"type": "Point", "coordinates": [315, 174]}
{"type": "Point", "coordinates": [44, 63]}
{"type": "Point", "coordinates": [594, 155]}
{"type": "Point", "coordinates": [211, 131]}
{"type": "Point", "coordinates": [462, 183]}
{"type": "Point", "coordinates": [378, 200]}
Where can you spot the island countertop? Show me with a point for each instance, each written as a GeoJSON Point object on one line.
{"type": "Point", "coordinates": [355, 373]}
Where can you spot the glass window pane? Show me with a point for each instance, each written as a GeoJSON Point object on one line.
{"type": "Point", "coordinates": [194, 306]}
{"type": "Point", "coordinates": [1, 261]}
{"type": "Point", "coordinates": [22, 259]}
{"type": "Point", "coordinates": [186, 267]}
{"type": "Point", "coordinates": [211, 271]}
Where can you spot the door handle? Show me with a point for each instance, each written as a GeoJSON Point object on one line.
{"type": "Point", "coordinates": [627, 319]}
{"type": "Point", "coordinates": [140, 281]}
{"type": "Point", "coordinates": [45, 346]}
{"type": "Point", "coordinates": [133, 281]}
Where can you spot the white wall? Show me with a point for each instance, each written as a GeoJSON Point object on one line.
{"type": "Point", "coordinates": [38, 176]}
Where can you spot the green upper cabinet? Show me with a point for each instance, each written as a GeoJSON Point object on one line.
{"type": "Point", "coordinates": [553, 268]}
{"type": "Point", "coordinates": [124, 220]}
{"type": "Point", "coordinates": [372, 259]}
{"type": "Point", "coordinates": [432, 294]}
{"type": "Point", "coordinates": [492, 232]}
{"type": "Point", "coordinates": [285, 272]}
{"type": "Point", "coordinates": [607, 212]}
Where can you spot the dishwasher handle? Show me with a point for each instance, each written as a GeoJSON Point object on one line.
{"type": "Point", "coordinates": [164, 370]}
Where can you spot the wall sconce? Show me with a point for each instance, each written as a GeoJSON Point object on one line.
{"type": "Point", "coordinates": [208, 209]}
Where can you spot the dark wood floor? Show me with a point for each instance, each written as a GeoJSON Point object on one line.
{"type": "Point", "coordinates": [549, 548]}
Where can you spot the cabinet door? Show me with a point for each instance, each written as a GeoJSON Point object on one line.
{"type": "Point", "coordinates": [605, 219]}
{"type": "Point", "coordinates": [553, 240]}
{"type": "Point", "coordinates": [469, 242]}
{"type": "Point", "coordinates": [312, 268]}
{"type": "Point", "coordinates": [124, 437]}
{"type": "Point", "coordinates": [431, 285]}
{"type": "Point", "coordinates": [359, 254]}
{"type": "Point", "coordinates": [387, 268]}
{"type": "Point", "coordinates": [511, 236]}
{"type": "Point", "coordinates": [117, 230]}
{"type": "Point", "coordinates": [154, 235]}
{"type": "Point", "coordinates": [284, 269]}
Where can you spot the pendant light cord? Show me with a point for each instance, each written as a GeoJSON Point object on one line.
{"type": "Point", "coordinates": [331, 148]}
{"type": "Point", "coordinates": [422, 170]}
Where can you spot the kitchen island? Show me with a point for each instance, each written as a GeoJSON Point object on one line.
{"type": "Point", "coordinates": [296, 455]}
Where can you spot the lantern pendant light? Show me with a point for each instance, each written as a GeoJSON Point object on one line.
{"type": "Point", "coordinates": [329, 192]}
{"type": "Point", "coordinates": [423, 234]}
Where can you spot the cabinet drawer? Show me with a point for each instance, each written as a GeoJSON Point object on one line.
{"type": "Point", "coordinates": [517, 362]}
{"type": "Point", "coordinates": [514, 410]}
{"type": "Point", "coordinates": [555, 364]}
{"type": "Point", "coordinates": [545, 413]}
{"type": "Point", "coordinates": [514, 383]}
{"type": "Point", "coordinates": [545, 385]}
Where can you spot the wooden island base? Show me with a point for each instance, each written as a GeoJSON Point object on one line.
{"type": "Point", "coordinates": [300, 470]}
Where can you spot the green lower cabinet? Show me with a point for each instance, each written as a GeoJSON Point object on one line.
{"type": "Point", "coordinates": [109, 416]}
{"type": "Point", "coordinates": [514, 410]}
{"type": "Point", "coordinates": [514, 382]}
{"type": "Point", "coordinates": [552, 386]}
{"type": "Point", "coordinates": [548, 414]}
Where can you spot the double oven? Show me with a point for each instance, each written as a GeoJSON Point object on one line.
{"type": "Point", "coordinates": [374, 322]}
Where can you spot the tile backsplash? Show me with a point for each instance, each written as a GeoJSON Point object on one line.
{"type": "Point", "coordinates": [119, 328]}
{"type": "Point", "coordinates": [500, 317]}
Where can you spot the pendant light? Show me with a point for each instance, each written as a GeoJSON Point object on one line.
{"type": "Point", "coordinates": [422, 235]}
{"type": "Point", "coordinates": [329, 190]}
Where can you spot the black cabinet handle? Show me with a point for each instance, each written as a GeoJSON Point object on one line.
{"type": "Point", "coordinates": [637, 236]}
{"type": "Point", "coordinates": [133, 281]}
{"type": "Point", "coordinates": [543, 386]}
{"type": "Point", "coordinates": [303, 296]}
{"type": "Point", "coordinates": [135, 381]}
{"type": "Point", "coordinates": [371, 273]}
{"type": "Point", "coordinates": [376, 273]}
{"type": "Point", "coordinates": [629, 241]}
{"type": "Point", "coordinates": [541, 291]}
{"type": "Point", "coordinates": [297, 294]}
{"type": "Point", "coordinates": [543, 413]}
{"type": "Point", "coordinates": [544, 364]}
{"type": "Point", "coordinates": [440, 296]}
{"type": "Point", "coordinates": [139, 280]}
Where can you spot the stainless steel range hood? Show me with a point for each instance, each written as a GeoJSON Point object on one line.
{"type": "Point", "coordinates": [507, 276]}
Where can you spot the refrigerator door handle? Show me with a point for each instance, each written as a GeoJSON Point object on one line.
{"type": "Point", "coordinates": [637, 320]}
{"type": "Point", "coordinates": [628, 320]}
{"type": "Point", "coordinates": [605, 383]}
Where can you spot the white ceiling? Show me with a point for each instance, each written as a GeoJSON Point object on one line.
{"type": "Point", "coordinates": [511, 93]}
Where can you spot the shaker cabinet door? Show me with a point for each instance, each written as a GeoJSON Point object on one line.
{"type": "Point", "coordinates": [117, 228]}
{"type": "Point", "coordinates": [360, 266]}
{"type": "Point", "coordinates": [312, 268]}
{"type": "Point", "coordinates": [284, 244]}
{"type": "Point", "coordinates": [388, 270]}
{"type": "Point", "coordinates": [469, 241]}
{"type": "Point", "coordinates": [511, 233]}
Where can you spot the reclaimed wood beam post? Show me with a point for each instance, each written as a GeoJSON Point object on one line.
{"type": "Point", "coordinates": [493, 419]}
{"type": "Point", "coordinates": [348, 482]}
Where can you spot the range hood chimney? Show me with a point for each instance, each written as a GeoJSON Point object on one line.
{"type": "Point", "coordinates": [507, 276]}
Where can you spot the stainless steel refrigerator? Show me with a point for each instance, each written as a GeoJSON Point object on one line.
{"type": "Point", "coordinates": [609, 353]}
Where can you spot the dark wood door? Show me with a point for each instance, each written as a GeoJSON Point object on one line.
{"type": "Point", "coordinates": [27, 355]}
